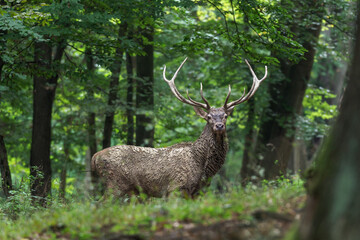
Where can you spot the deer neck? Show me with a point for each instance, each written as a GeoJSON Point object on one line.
{"type": "Point", "coordinates": [211, 149]}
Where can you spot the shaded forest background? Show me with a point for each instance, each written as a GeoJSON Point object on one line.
{"type": "Point", "coordinates": [80, 76]}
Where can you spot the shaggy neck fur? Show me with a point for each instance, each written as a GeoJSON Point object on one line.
{"type": "Point", "coordinates": [210, 149]}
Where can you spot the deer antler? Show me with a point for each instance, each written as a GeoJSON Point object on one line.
{"type": "Point", "coordinates": [177, 94]}
{"type": "Point", "coordinates": [243, 98]}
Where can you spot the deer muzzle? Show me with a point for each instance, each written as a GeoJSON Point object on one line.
{"type": "Point", "coordinates": [219, 127]}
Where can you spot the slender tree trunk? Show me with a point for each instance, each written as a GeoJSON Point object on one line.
{"type": "Point", "coordinates": [299, 159]}
{"type": "Point", "coordinates": [248, 162]}
{"type": "Point", "coordinates": [90, 96]}
{"type": "Point", "coordinates": [1, 65]}
{"type": "Point", "coordinates": [277, 130]}
{"type": "Point", "coordinates": [114, 87]}
{"type": "Point", "coordinates": [4, 169]}
{"type": "Point", "coordinates": [2, 42]}
{"type": "Point", "coordinates": [129, 100]}
{"type": "Point", "coordinates": [4, 165]}
{"type": "Point", "coordinates": [63, 174]}
{"type": "Point", "coordinates": [92, 133]}
{"type": "Point", "coordinates": [91, 176]}
{"type": "Point", "coordinates": [333, 206]}
{"type": "Point", "coordinates": [45, 82]}
{"type": "Point", "coordinates": [145, 92]}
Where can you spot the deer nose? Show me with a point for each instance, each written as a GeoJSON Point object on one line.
{"type": "Point", "coordinates": [219, 126]}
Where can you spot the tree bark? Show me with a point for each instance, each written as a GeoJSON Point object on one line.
{"type": "Point", "coordinates": [145, 92]}
{"type": "Point", "coordinates": [1, 63]}
{"type": "Point", "coordinates": [4, 165]}
{"type": "Point", "coordinates": [91, 115]}
{"type": "Point", "coordinates": [63, 174]}
{"type": "Point", "coordinates": [299, 161]}
{"type": "Point", "coordinates": [276, 136]}
{"type": "Point", "coordinates": [115, 69]}
{"type": "Point", "coordinates": [45, 82]}
{"type": "Point", "coordinates": [4, 169]}
{"type": "Point", "coordinates": [91, 176]}
{"type": "Point", "coordinates": [333, 206]}
{"type": "Point", "coordinates": [129, 101]}
{"type": "Point", "coordinates": [2, 42]}
{"type": "Point", "coordinates": [248, 161]}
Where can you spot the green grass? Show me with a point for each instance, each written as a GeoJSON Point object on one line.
{"type": "Point", "coordinates": [86, 219]}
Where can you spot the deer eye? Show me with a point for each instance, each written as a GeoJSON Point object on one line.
{"type": "Point", "coordinates": [225, 116]}
{"type": "Point", "coordinates": [209, 117]}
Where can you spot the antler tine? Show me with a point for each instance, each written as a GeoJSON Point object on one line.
{"type": "Point", "coordinates": [193, 101]}
{"type": "Point", "coordinates": [171, 82]}
{"type": "Point", "coordinates": [228, 96]}
{"type": "Point", "coordinates": [256, 81]}
{"type": "Point", "coordinates": [176, 73]}
{"type": "Point", "coordinates": [202, 96]}
{"type": "Point", "coordinates": [177, 94]}
{"type": "Point", "coordinates": [253, 89]}
{"type": "Point", "coordinates": [253, 73]}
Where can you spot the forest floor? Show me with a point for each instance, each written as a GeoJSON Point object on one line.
{"type": "Point", "coordinates": [264, 225]}
{"type": "Point", "coordinates": [261, 212]}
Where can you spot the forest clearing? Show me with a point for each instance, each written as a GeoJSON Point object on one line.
{"type": "Point", "coordinates": [98, 141]}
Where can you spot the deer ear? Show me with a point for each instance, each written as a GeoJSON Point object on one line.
{"type": "Point", "coordinates": [201, 112]}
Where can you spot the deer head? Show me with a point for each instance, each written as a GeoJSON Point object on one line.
{"type": "Point", "coordinates": [215, 117]}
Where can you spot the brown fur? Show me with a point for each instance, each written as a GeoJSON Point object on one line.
{"type": "Point", "coordinates": [159, 171]}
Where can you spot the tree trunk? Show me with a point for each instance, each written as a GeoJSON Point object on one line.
{"type": "Point", "coordinates": [115, 69]}
{"type": "Point", "coordinates": [333, 206]}
{"type": "Point", "coordinates": [1, 63]}
{"type": "Point", "coordinates": [2, 42]}
{"type": "Point", "coordinates": [129, 101]}
{"type": "Point", "coordinates": [63, 174]}
{"type": "Point", "coordinates": [145, 92]}
{"type": "Point", "coordinates": [45, 82]}
{"type": "Point", "coordinates": [4, 165]}
{"type": "Point", "coordinates": [299, 159]}
{"type": "Point", "coordinates": [248, 162]}
{"type": "Point", "coordinates": [4, 169]}
{"type": "Point", "coordinates": [91, 115]}
{"type": "Point", "coordinates": [276, 136]}
{"type": "Point", "coordinates": [91, 119]}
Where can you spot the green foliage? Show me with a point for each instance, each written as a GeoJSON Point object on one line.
{"type": "Point", "coordinates": [317, 113]}
{"type": "Point", "coordinates": [18, 204]}
{"type": "Point", "coordinates": [315, 105]}
{"type": "Point", "coordinates": [257, 28]}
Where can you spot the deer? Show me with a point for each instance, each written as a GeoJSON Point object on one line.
{"type": "Point", "coordinates": [186, 167]}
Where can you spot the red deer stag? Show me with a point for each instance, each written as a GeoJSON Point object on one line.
{"type": "Point", "coordinates": [185, 166]}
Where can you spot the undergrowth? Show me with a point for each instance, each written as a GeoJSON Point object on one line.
{"type": "Point", "coordinates": [83, 218]}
